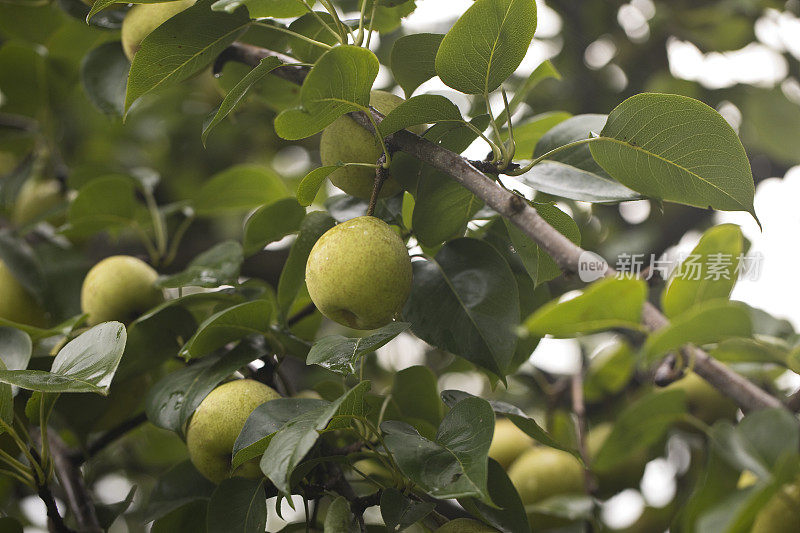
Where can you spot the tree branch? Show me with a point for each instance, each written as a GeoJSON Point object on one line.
{"type": "Point", "coordinates": [565, 253]}
{"type": "Point", "coordinates": [108, 437]}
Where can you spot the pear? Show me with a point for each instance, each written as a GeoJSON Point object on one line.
{"type": "Point", "coordinates": [16, 303]}
{"type": "Point", "coordinates": [508, 442]}
{"type": "Point", "coordinates": [781, 513]}
{"type": "Point", "coordinates": [36, 199]}
{"type": "Point", "coordinates": [344, 141]}
{"type": "Point", "coordinates": [704, 401]}
{"type": "Point", "coordinates": [142, 19]}
{"type": "Point", "coordinates": [359, 273]}
{"type": "Point", "coordinates": [120, 288]}
{"type": "Point", "coordinates": [217, 422]}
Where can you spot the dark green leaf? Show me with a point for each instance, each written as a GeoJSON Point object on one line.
{"type": "Point", "coordinates": [239, 188]}
{"type": "Point", "coordinates": [178, 486]}
{"type": "Point", "coordinates": [422, 109]}
{"type": "Point", "coordinates": [465, 301]}
{"type": "Point", "coordinates": [399, 512]}
{"type": "Point", "coordinates": [338, 518]}
{"type": "Point", "coordinates": [183, 45]}
{"type": "Point", "coordinates": [271, 223]}
{"type": "Point", "coordinates": [340, 354]}
{"type": "Point", "coordinates": [106, 203]}
{"type": "Point", "coordinates": [510, 516]}
{"type": "Point", "coordinates": [454, 465]}
{"type": "Point", "coordinates": [310, 26]}
{"type": "Point", "coordinates": [108, 513]}
{"type": "Point", "coordinates": [309, 186]}
{"type": "Point", "coordinates": [104, 74]}
{"type": "Point", "coordinates": [212, 268]}
{"type": "Point", "coordinates": [238, 505]}
{"type": "Point", "coordinates": [415, 393]}
{"type": "Point", "coordinates": [229, 325]}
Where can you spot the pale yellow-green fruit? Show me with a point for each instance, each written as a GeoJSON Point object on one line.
{"type": "Point", "coordinates": [359, 273]}
{"type": "Point", "coordinates": [346, 142]}
{"type": "Point", "coordinates": [465, 525]}
{"type": "Point", "coordinates": [781, 514]}
{"type": "Point", "coordinates": [16, 303]}
{"type": "Point", "coordinates": [120, 288]}
{"type": "Point", "coordinates": [625, 474]}
{"type": "Point", "coordinates": [142, 19]}
{"type": "Point", "coordinates": [703, 400]}
{"type": "Point", "coordinates": [217, 422]}
{"type": "Point", "coordinates": [36, 199]}
{"type": "Point", "coordinates": [508, 442]}
{"type": "Point", "coordinates": [542, 472]}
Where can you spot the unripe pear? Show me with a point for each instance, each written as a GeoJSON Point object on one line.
{"type": "Point", "coordinates": [346, 142]}
{"type": "Point", "coordinates": [217, 422]}
{"type": "Point", "coordinates": [624, 474]}
{"type": "Point", "coordinates": [542, 472]}
{"type": "Point", "coordinates": [781, 513]}
{"type": "Point", "coordinates": [142, 19]}
{"type": "Point", "coordinates": [704, 401]}
{"type": "Point", "coordinates": [16, 303]}
{"type": "Point", "coordinates": [120, 288]}
{"type": "Point", "coordinates": [36, 198]}
{"type": "Point", "coordinates": [508, 442]}
{"type": "Point", "coordinates": [465, 525]}
{"type": "Point", "coordinates": [359, 273]}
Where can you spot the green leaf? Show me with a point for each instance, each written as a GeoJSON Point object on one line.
{"type": "Point", "coordinates": [415, 392]}
{"type": "Point", "coordinates": [454, 465]}
{"type": "Point", "coordinates": [100, 5]}
{"type": "Point", "coordinates": [486, 45]}
{"type": "Point", "coordinates": [339, 82]}
{"type": "Point", "coordinates": [234, 97]}
{"type": "Point", "coordinates": [106, 203]}
{"type": "Point", "coordinates": [609, 371]}
{"type": "Point", "coordinates": [705, 323]}
{"type": "Point", "coordinates": [15, 352]}
{"type": "Point", "coordinates": [509, 515]}
{"type": "Point", "coordinates": [294, 270]}
{"type": "Point", "coordinates": [309, 186]}
{"type": "Point", "coordinates": [266, 420]}
{"type": "Point", "coordinates": [399, 512]}
{"type": "Point", "coordinates": [606, 304]}
{"type": "Point", "coordinates": [108, 513]}
{"type": "Point", "coordinates": [85, 364]}
{"type": "Point", "coordinates": [212, 268]}
{"type": "Point", "coordinates": [340, 354]}
{"type": "Point", "coordinates": [178, 486]}
{"type": "Point", "coordinates": [271, 223]}
{"type": "Point", "coordinates": [171, 401]}
{"type": "Point", "coordinates": [761, 350]}
{"type": "Point", "coordinates": [517, 416]}
{"type": "Point", "coordinates": [262, 8]}
{"type": "Point", "coordinates": [228, 325]}
{"type": "Point", "coordinates": [183, 45]}
{"type": "Point", "coordinates": [292, 442]}
{"type": "Point", "coordinates": [310, 26]}
{"type": "Point", "coordinates": [20, 259]}
{"type": "Point", "coordinates": [338, 518]}
{"type": "Point", "coordinates": [692, 155]}
{"type": "Point", "coordinates": [544, 71]}
{"type": "Point", "coordinates": [239, 188]}
{"type": "Point", "coordinates": [640, 425]}
{"type": "Point", "coordinates": [527, 135]}
{"type": "Point", "coordinates": [709, 273]}
{"type": "Point", "coordinates": [465, 301]}
{"type": "Point", "coordinates": [238, 505]}
{"type": "Point", "coordinates": [539, 265]}
{"type": "Point", "coordinates": [572, 173]}
{"type": "Point", "coordinates": [104, 74]}
{"type": "Point", "coordinates": [422, 109]}
{"type": "Point", "coordinates": [413, 59]}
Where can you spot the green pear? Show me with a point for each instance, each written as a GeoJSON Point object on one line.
{"type": "Point", "coordinates": [36, 199]}
{"type": "Point", "coordinates": [216, 424]}
{"type": "Point", "coordinates": [704, 401]}
{"type": "Point", "coordinates": [781, 513]}
{"type": "Point", "coordinates": [120, 288]}
{"type": "Point", "coordinates": [346, 142]}
{"type": "Point", "coordinates": [542, 472]}
{"type": "Point", "coordinates": [465, 525]}
{"type": "Point", "coordinates": [359, 273]}
{"type": "Point", "coordinates": [142, 19]}
{"type": "Point", "coordinates": [16, 303]}
{"type": "Point", "coordinates": [508, 442]}
{"type": "Point", "coordinates": [626, 473]}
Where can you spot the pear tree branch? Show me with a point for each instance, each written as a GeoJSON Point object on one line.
{"type": "Point", "coordinates": [565, 253]}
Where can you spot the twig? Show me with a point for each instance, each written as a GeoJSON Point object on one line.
{"type": "Point", "coordinates": [565, 253]}
{"type": "Point", "coordinates": [381, 175]}
{"type": "Point", "coordinates": [579, 408]}
{"type": "Point", "coordinates": [110, 436]}
{"type": "Point", "coordinates": [54, 521]}
{"type": "Point", "coordinates": [306, 311]}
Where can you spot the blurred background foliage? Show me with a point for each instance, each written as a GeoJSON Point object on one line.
{"type": "Point", "coordinates": [52, 132]}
